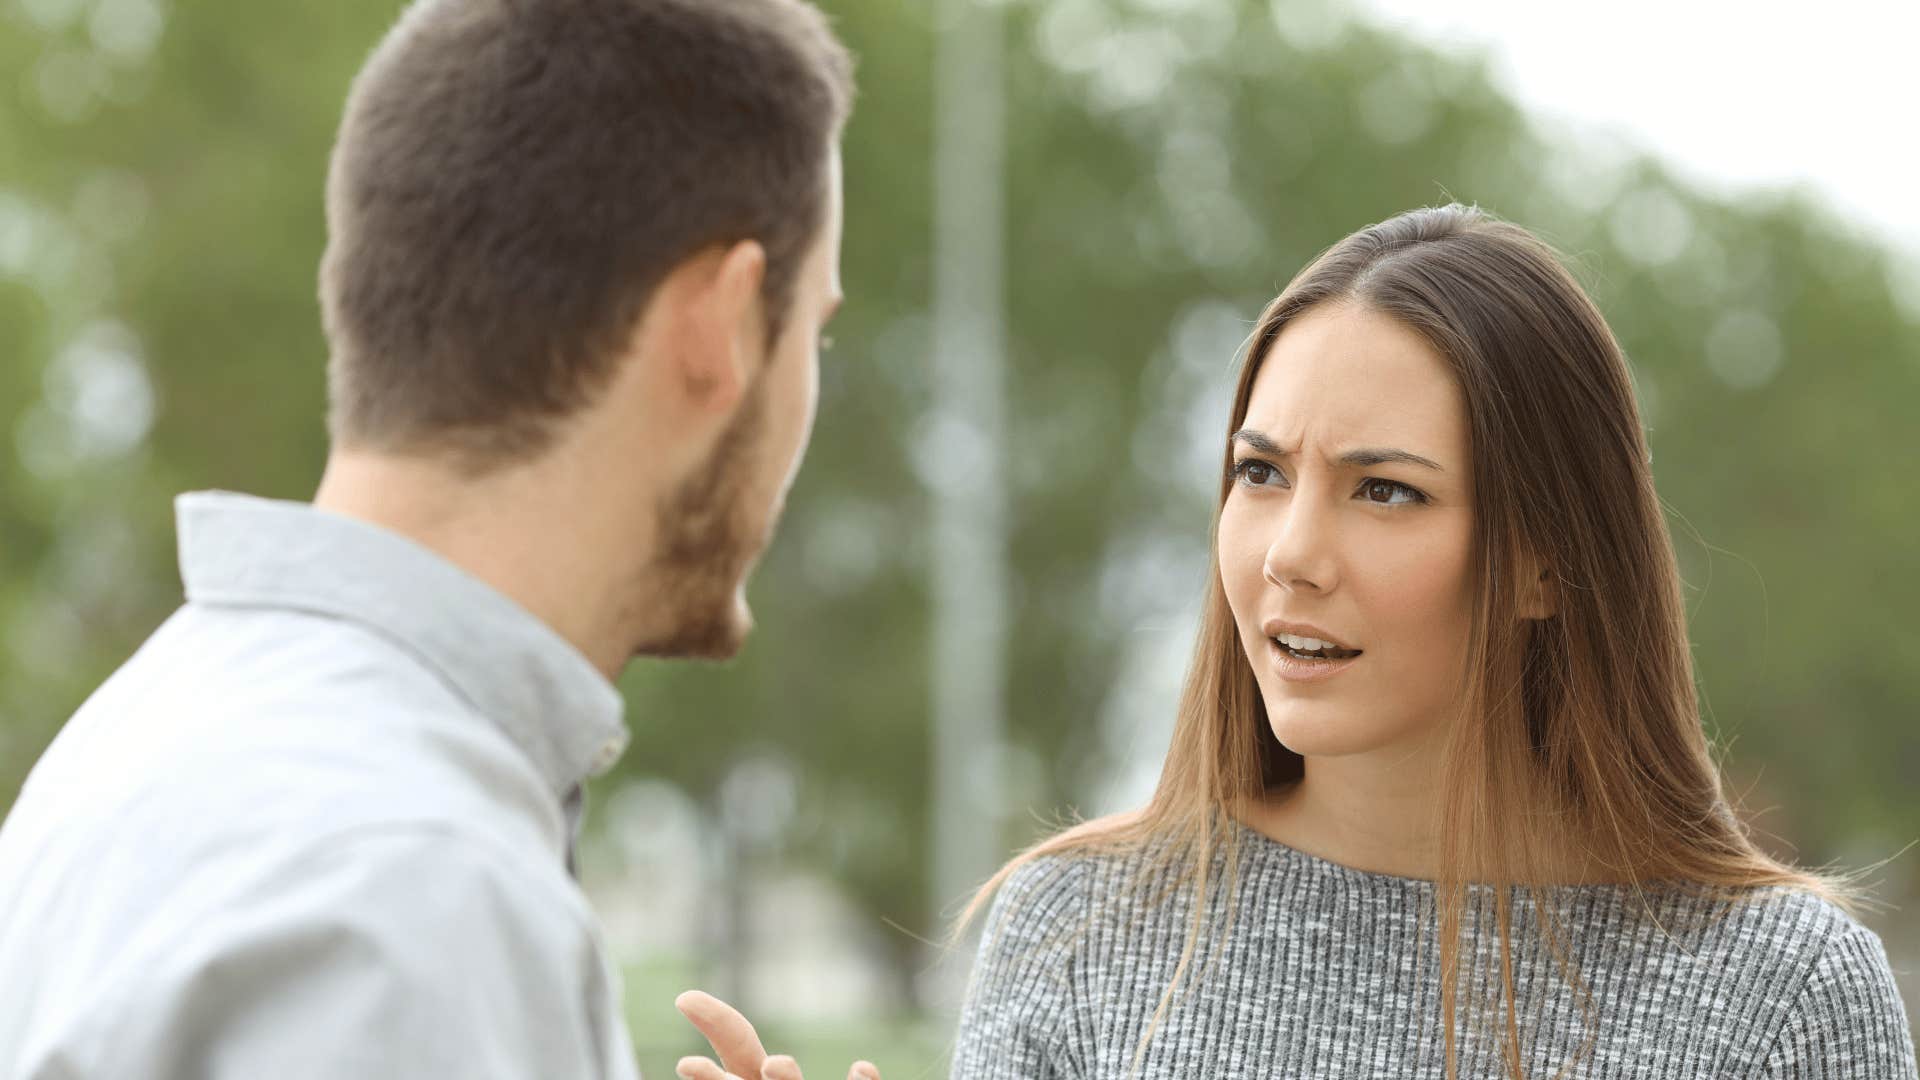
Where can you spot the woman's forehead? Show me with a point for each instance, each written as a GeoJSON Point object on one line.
{"type": "Point", "coordinates": [1345, 375]}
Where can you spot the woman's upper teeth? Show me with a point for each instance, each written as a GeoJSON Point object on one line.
{"type": "Point", "coordinates": [1304, 644]}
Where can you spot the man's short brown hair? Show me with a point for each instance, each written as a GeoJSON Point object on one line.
{"type": "Point", "coordinates": [513, 178]}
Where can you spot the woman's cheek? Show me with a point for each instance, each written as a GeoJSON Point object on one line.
{"type": "Point", "coordinates": [1227, 550]}
{"type": "Point", "coordinates": [1241, 557]}
{"type": "Point", "coordinates": [1426, 594]}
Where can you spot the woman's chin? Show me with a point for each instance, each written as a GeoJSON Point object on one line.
{"type": "Point", "coordinates": [1320, 729]}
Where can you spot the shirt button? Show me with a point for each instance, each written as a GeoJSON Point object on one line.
{"type": "Point", "coordinates": [607, 755]}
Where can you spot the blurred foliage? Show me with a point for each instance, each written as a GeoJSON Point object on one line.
{"type": "Point", "coordinates": [1171, 165]}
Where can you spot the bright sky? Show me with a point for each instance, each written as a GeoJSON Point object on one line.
{"type": "Point", "coordinates": [1734, 93]}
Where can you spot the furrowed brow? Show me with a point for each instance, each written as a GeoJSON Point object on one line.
{"type": "Point", "coordinates": [1383, 454]}
{"type": "Point", "coordinates": [1259, 441]}
{"type": "Point", "coordinates": [1358, 458]}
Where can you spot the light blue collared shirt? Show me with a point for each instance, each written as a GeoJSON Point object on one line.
{"type": "Point", "coordinates": [318, 826]}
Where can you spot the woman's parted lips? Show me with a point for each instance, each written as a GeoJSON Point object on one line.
{"type": "Point", "coordinates": [1276, 627]}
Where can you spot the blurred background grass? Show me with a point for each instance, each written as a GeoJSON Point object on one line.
{"type": "Point", "coordinates": [1169, 165]}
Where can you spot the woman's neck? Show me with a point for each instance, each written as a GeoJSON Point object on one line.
{"type": "Point", "coordinates": [1382, 820]}
{"type": "Point", "coordinates": [1366, 823]}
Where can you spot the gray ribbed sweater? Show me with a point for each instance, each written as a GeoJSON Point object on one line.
{"type": "Point", "coordinates": [1332, 972]}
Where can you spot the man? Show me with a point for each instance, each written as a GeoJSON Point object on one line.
{"type": "Point", "coordinates": [580, 254]}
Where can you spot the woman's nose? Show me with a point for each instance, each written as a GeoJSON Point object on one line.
{"type": "Point", "coordinates": [1300, 555]}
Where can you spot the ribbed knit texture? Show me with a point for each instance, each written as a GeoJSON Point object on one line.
{"type": "Point", "coordinates": [1332, 972]}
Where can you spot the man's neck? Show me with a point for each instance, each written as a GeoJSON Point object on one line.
{"type": "Point", "coordinates": [521, 532]}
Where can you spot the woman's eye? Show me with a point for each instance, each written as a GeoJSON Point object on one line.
{"type": "Point", "coordinates": [1390, 492]}
{"type": "Point", "coordinates": [1255, 473]}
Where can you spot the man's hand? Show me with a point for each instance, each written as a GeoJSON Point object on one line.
{"type": "Point", "coordinates": [741, 1055]}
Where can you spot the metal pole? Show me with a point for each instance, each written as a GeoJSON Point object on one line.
{"type": "Point", "coordinates": [968, 484]}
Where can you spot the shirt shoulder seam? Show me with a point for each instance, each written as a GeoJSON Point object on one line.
{"type": "Point", "coordinates": [1834, 932]}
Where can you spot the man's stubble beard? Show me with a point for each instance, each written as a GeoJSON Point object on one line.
{"type": "Point", "coordinates": [708, 544]}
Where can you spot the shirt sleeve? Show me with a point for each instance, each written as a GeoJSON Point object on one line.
{"type": "Point", "coordinates": [1015, 1023]}
{"type": "Point", "coordinates": [1848, 1020]}
{"type": "Point", "coordinates": [409, 953]}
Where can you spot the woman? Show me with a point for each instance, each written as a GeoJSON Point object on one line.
{"type": "Point", "coordinates": [1438, 801]}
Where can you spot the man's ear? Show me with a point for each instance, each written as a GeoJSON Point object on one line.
{"type": "Point", "coordinates": [719, 337]}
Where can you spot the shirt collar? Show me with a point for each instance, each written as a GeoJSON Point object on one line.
{"type": "Point", "coordinates": [237, 550]}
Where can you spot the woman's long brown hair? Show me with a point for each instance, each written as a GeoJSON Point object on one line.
{"type": "Point", "coordinates": [1581, 731]}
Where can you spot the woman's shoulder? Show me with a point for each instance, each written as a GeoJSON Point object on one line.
{"type": "Point", "coordinates": [1774, 926]}
{"type": "Point", "coordinates": [1049, 889]}
{"type": "Point", "coordinates": [1827, 975]}
{"type": "Point", "coordinates": [1030, 967]}
{"type": "Point", "coordinates": [1065, 889]}
{"type": "Point", "coordinates": [1793, 941]}
{"type": "Point", "coordinates": [1044, 889]}
{"type": "Point", "coordinates": [1029, 938]}
{"type": "Point", "coordinates": [1812, 932]}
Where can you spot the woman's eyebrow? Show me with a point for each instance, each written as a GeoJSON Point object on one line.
{"type": "Point", "coordinates": [1360, 457]}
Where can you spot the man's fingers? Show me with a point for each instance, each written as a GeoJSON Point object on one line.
{"type": "Point", "coordinates": [732, 1037]}
{"type": "Point", "coordinates": [738, 1045]}
{"type": "Point", "coordinates": [699, 1068]}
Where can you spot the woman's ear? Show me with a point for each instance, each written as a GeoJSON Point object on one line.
{"type": "Point", "coordinates": [1539, 599]}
